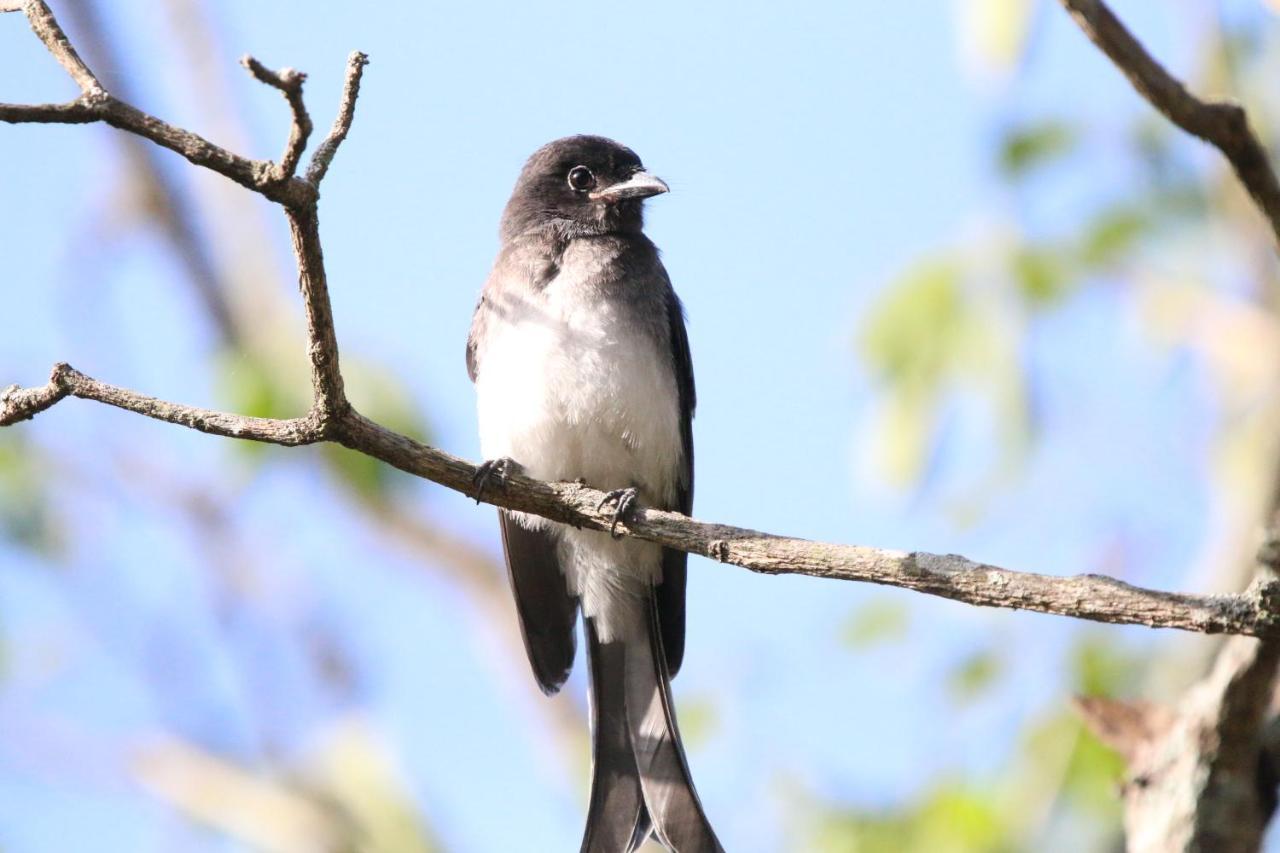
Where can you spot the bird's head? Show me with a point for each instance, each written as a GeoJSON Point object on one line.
{"type": "Point", "coordinates": [580, 185]}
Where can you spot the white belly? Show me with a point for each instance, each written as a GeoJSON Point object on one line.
{"type": "Point", "coordinates": [568, 388]}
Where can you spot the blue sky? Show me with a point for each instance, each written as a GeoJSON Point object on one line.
{"type": "Point", "coordinates": [812, 153]}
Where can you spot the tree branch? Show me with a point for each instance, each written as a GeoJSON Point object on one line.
{"type": "Point", "coordinates": [95, 104]}
{"type": "Point", "coordinates": [1194, 773]}
{"type": "Point", "coordinates": [323, 155]}
{"type": "Point", "coordinates": [950, 576]}
{"type": "Point", "coordinates": [289, 81]}
{"type": "Point", "coordinates": [55, 40]}
{"type": "Point", "coordinates": [333, 419]}
{"type": "Point", "coordinates": [1222, 124]}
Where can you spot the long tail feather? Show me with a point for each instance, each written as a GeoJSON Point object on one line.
{"type": "Point", "coordinates": [640, 775]}
{"type": "Point", "coordinates": [617, 810]}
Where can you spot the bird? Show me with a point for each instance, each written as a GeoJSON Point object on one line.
{"type": "Point", "coordinates": [580, 359]}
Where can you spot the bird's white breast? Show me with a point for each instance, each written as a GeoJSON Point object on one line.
{"type": "Point", "coordinates": [570, 386]}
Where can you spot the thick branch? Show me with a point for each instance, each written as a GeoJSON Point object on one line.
{"type": "Point", "coordinates": [1222, 124]}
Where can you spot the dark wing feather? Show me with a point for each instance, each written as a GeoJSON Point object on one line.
{"type": "Point", "coordinates": [670, 592]}
{"type": "Point", "coordinates": [478, 319]}
{"type": "Point", "coordinates": [547, 610]}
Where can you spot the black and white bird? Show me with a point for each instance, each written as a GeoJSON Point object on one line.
{"type": "Point", "coordinates": [581, 366]}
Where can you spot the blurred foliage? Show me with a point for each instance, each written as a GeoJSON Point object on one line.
{"type": "Point", "coordinates": [938, 334]}
{"type": "Point", "coordinates": [26, 514]}
{"type": "Point", "coordinates": [949, 819]}
{"type": "Point", "coordinates": [1162, 222]}
{"type": "Point", "coordinates": [993, 36]}
{"type": "Point", "coordinates": [1056, 790]}
{"type": "Point", "coordinates": [257, 385]}
{"type": "Point", "coordinates": [876, 622]}
{"type": "Point", "coordinates": [1025, 147]}
{"type": "Point", "coordinates": [379, 395]}
{"type": "Point", "coordinates": [975, 675]}
{"type": "Point", "coordinates": [699, 720]}
{"type": "Point", "coordinates": [356, 771]}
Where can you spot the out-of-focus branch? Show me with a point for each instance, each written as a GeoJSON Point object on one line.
{"type": "Point", "coordinates": [266, 815]}
{"type": "Point", "coordinates": [1222, 124]}
{"type": "Point", "coordinates": [162, 195]}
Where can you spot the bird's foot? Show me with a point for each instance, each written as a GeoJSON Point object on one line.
{"type": "Point", "coordinates": [490, 470]}
{"type": "Point", "coordinates": [623, 500]}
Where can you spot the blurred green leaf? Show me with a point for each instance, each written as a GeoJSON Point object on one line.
{"type": "Point", "coordinates": [26, 514]}
{"type": "Point", "coordinates": [699, 719]}
{"type": "Point", "coordinates": [993, 35]}
{"type": "Point", "coordinates": [1100, 668]}
{"type": "Point", "coordinates": [1091, 771]}
{"type": "Point", "coordinates": [1111, 234]}
{"type": "Point", "coordinates": [252, 387]}
{"type": "Point", "coordinates": [976, 673]}
{"type": "Point", "coordinates": [910, 335]}
{"type": "Point", "coordinates": [874, 623]}
{"type": "Point", "coordinates": [1042, 275]}
{"type": "Point", "coordinates": [362, 777]}
{"type": "Point", "coordinates": [1031, 146]}
{"type": "Point", "coordinates": [380, 396]}
{"type": "Point", "coordinates": [951, 818]}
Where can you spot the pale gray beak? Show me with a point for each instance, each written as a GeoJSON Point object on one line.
{"type": "Point", "coordinates": [639, 185]}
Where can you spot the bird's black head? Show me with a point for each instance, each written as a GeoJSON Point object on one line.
{"type": "Point", "coordinates": [580, 185]}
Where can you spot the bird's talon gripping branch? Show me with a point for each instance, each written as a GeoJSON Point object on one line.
{"type": "Point", "coordinates": [488, 471]}
{"type": "Point", "coordinates": [623, 500]}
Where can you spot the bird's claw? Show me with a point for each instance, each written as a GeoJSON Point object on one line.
{"type": "Point", "coordinates": [489, 470]}
{"type": "Point", "coordinates": [623, 500]}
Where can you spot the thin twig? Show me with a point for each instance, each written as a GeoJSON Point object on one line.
{"type": "Point", "coordinates": [20, 404]}
{"type": "Point", "coordinates": [95, 104]}
{"type": "Point", "coordinates": [323, 155]}
{"type": "Point", "coordinates": [48, 31]}
{"type": "Point", "coordinates": [289, 81]}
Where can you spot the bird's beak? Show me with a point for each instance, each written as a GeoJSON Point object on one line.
{"type": "Point", "coordinates": [639, 185]}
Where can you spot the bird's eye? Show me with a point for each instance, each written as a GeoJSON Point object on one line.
{"type": "Point", "coordinates": [581, 179]}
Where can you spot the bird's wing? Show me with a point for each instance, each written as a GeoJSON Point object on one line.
{"type": "Point", "coordinates": [546, 608]}
{"type": "Point", "coordinates": [478, 320]}
{"type": "Point", "coordinates": [670, 592]}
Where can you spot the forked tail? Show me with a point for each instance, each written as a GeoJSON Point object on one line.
{"type": "Point", "coordinates": [640, 781]}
